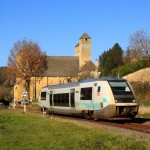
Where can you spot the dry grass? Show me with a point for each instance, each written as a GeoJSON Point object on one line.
{"type": "Point", "coordinates": [142, 92]}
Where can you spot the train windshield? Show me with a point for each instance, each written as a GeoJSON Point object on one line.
{"type": "Point", "coordinates": [120, 88]}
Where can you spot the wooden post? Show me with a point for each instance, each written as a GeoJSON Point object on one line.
{"type": "Point", "coordinates": [43, 111]}
{"type": "Point", "coordinates": [24, 106]}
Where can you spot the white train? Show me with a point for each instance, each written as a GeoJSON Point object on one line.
{"type": "Point", "coordinates": [107, 97]}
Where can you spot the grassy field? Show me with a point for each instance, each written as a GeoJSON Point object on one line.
{"type": "Point", "coordinates": [146, 115]}
{"type": "Point", "coordinates": [20, 131]}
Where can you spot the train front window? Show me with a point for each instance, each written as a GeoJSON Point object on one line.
{"type": "Point", "coordinates": [120, 88]}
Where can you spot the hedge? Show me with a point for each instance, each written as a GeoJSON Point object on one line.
{"type": "Point", "coordinates": [131, 67]}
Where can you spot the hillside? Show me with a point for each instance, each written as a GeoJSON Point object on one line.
{"type": "Point", "coordinates": [140, 81]}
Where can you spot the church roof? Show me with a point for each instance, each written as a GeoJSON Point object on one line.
{"type": "Point", "coordinates": [88, 66]}
{"type": "Point", "coordinates": [85, 36]}
{"type": "Point", "coordinates": [61, 66]}
{"type": "Point", "coordinates": [77, 45]}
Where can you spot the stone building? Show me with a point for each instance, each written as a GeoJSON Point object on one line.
{"type": "Point", "coordinates": [62, 69]}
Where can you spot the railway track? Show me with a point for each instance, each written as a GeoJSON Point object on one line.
{"type": "Point", "coordinates": [138, 124]}
{"type": "Point", "coordinates": [127, 125]}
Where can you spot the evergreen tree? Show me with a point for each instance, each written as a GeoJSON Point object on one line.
{"type": "Point", "coordinates": [111, 59]}
{"type": "Point", "coordinates": [117, 56]}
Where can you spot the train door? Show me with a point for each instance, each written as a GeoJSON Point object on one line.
{"type": "Point", "coordinates": [51, 98]}
{"type": "Point", "coordinates": [42, 100]}
{"type": "Point", "coordinates": [96, 96]}
{"type": "Point", "coordinates": [72, 97]}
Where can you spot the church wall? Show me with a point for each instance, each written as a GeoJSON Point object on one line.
{"type": "Point", "coordinates": [36, 84]}
{"type": "Point", "coordinates": [19, 88]}
{"type": "Point", "coordinates": [82, 50]}
{"type": "Point", "coordinates": [77, 50]}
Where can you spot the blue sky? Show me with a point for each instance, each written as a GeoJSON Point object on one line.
{"type": "Point", "coordinates": [57, 25]}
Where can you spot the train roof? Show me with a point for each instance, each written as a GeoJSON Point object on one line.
{"type": "Point", "coordinates": [111, 78]}
{"type": "Point", "coordinates": [70, 84]}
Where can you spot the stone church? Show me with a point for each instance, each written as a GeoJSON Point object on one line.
{"type": "Point", "coordinates": [63, 69]}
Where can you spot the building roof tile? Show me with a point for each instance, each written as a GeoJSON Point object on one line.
{"type": "Point", "coordinates": [61, 66]}
{"type": "Point", "coordinates": [88, 66]}
{"type": "Point", "coordinates": [85, 36]}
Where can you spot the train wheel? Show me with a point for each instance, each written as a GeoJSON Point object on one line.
{"type": "Point", "coordinates": [87, 115]}
{"type": "Point", "coordinates": [51, 113]}
{"type": "Point", "coordinates": [47, 112]}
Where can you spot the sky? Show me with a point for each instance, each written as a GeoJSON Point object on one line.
{"type": "Point", "coordinates": [57, 25]}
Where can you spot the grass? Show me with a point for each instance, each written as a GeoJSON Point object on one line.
{"type": "Point", "coordinates": [142, 92]}
{"type": "Point", "coordinates": [144, 103]}
{"type": "Point", "coordinates": [20, 131]}
{"type": "Point", "coordinates": [146, 115]}
{"type": "Point", "coordinates": [34, 105]}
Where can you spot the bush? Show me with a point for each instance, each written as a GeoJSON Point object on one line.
{"type": "Point", "coordinates": [131, 67]}
{"type": "Point", "coordinates": [4, 103]}
{"type": "Point", "coordinates": [142, 92]}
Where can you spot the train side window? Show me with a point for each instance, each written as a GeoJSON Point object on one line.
{"type": "Point", "coordinates": [61, 99]}
{"type": "Point", "coordinates": [86, 93]}
{"type": "Point", "coordinates": [43, 95]}
{"type": "Point", "coordinates": [98, 89]}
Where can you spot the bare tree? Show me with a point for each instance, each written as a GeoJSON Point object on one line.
{"type": "Point", "coordinates": [26, 60]}
{"type": "Point", "coordinates": [139, 44]}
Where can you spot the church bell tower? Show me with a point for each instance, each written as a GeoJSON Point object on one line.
{"type": "Point", "coordinates": [83, 49]}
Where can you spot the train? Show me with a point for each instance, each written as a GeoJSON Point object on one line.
{"type": "Point", "coordinates": [103, 98]}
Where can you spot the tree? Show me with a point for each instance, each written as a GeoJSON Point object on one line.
{"type": "Point", "coordinates": [2, 76]}
{"type": "Point", "coordinates": [111, 59]}
{"type": "Point", "coordinates": [26, 60]}
{"type": "Point", "coordinates": [117, 56]}
{"type": "Point", "coordinates": [104, 60]}
{"type": "Point", "coordinates": [127, 56]}
{"type": "Point", "coordinates": [139, 45]}
{"type": "Point", "coordinates": [5, 85]}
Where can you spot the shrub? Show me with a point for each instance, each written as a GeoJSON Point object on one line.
{"type": "Point", "coordinates": [131, 67]}
{"type": "Point", "coordinates": [142, 92]}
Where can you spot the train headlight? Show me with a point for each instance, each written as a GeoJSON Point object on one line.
{"type": "Point", "coordinates": [134, 100]}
